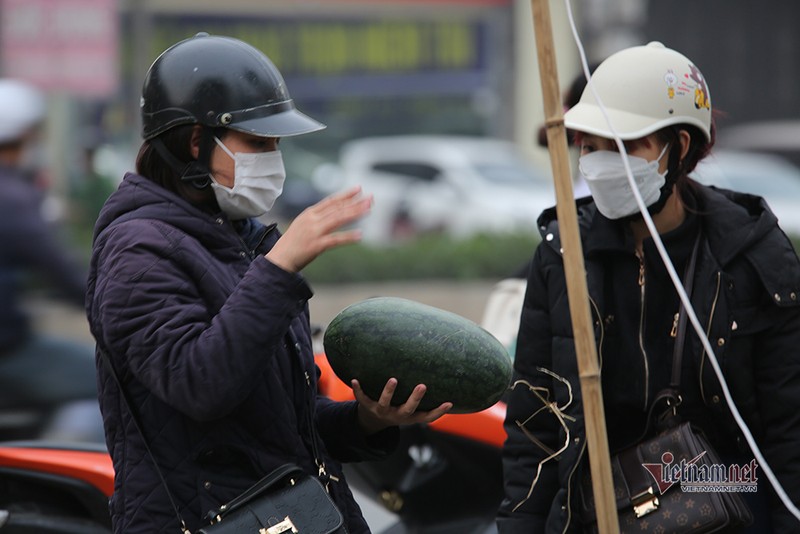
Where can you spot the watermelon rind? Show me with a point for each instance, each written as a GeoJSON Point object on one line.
{"type": "Point", "coordinates": [383, 337]}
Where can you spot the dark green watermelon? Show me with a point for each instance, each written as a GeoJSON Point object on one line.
{"type": "Point", "coordinates": [383, 337]}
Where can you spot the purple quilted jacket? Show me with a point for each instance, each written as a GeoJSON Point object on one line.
{"type": "Point", "coordinates": [212, 343]}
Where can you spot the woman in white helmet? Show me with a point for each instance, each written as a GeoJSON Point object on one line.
{"type": "Point", "coordinates": [745, 285]}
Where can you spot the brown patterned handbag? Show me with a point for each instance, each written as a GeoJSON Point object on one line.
{"type": "Point", "coordinates": [653, 495]}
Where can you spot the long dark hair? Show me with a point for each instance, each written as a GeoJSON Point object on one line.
{"type": "Point", "coordinates": [151, 165]}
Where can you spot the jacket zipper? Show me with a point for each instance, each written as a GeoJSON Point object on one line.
{"type": "Point", "coordinates": [323, 472]}
{"type": "Point", "coordinates": [602, 334]}
{"type": "Point", "coordinates": [640, 257]}
{"type": "Point", "coordinates": [673, 333]}
{"type": "Point", "coordinates": [268, 230]}
{"type": "Point", "coordinates": [583, 447]}
{"type": "Point", "coordinates": [252, 253]}
{"type": "Point", "coordinates": [325, 477]}
{"type": "Point", "coordinates": [569, 487]}
{"type": "Point", "coordinates": [708, 331]}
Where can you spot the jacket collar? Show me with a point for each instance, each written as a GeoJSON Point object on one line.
{"type": "Point", "coordinates": [140, 198]}
{"type": "Point", "coordinates": [731, 221]}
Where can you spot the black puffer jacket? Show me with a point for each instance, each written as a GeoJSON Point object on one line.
{"type": "Point", "coordinates": [212, 342]}
{"type": "Point", "coordinates": [746, 289]}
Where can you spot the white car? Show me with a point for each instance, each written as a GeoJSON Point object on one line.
{"type": "Point", "coordinates": [460, 186]}
{"type": "Point", "coordinates": [772, 177]}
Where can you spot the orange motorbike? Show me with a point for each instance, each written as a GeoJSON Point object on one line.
{"type": "Point", "coordinates": [444, 477]}
{"type": "Point", "coordinates": [49, 488]}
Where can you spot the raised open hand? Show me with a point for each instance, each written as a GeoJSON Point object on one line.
{"type": "Point", "coordinates": [317, 229]}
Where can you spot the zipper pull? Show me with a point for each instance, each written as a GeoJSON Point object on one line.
{"type": "Point", "coordinates": [324, 473]}
{"type": "Point", "coordinates": [674, 332]}
{"type": "Point", "coordinates": [641, 269]}
{"type": "Point", "coordinates": [308, 378]}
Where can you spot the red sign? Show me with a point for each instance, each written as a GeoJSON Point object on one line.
{"type": "Point", "coordinates": [67, 45]}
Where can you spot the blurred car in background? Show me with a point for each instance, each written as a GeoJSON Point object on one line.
{"type": "Point", "coordinates": [298, 191]}
{"type": "Point", "coordinates": [772, 177]}
{"type": "Point", "coordinates": [780, 137]}
{"type": "Point", "coordinates": [297, 195]}
{"type": "Point", "coordinates": [459, 186]}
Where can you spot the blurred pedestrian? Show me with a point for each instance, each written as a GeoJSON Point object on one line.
{"type": "Point", "coordinates": [39, 373]}
{"type": "Point", "coordinates": [92, 188]}
{"type": "Point", "coordinates": [571, 97]}
{"type": "Point", "coordinates": [579, 188]}
{"type": "Point", "coordinates": [203, 311]}
{"type": "Point", "coordinates": [746, 281]}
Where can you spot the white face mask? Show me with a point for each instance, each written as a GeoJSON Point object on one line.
{"type": "Point", "coordinates": [605, 175]}
{"type": "Point", "coordinates": [257, 183]}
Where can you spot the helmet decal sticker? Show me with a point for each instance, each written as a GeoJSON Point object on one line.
{"type": "Point", "coordinates": [671, 79]}
{"type": "Point", "coordinates": [701, 100]}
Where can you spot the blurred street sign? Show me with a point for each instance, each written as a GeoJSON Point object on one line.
{"type": "Point", "coordinates": [61, 45]}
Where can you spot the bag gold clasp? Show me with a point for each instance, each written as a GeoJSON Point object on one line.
{"type": "Point", "coordinates": [284, 526]}
{"type": "Point", "coordinates": [644, 503]}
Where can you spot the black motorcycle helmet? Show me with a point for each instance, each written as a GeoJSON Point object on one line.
{"type": "Point", "coordinates": [218, 82]}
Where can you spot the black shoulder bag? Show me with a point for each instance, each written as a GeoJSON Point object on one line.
{"type": "Point", "coordinates": [651, 495]}
{"type": "Point", "coordinates": [287, 500]}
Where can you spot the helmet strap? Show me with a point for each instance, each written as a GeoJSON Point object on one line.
{"type": "Point", "coordinates": [195, 172]}
{"type": "Point", "coordinates": [666, 192]}
{"type": "Point", "coordinates": [673, 172]}
{"type": "Point", "coordinates": [203, 162]}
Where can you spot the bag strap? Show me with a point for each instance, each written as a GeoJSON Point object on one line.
{"type": "Point", "coordinates": [322, 471]}
{"type": "Point", "coordinates": [138, 425]}
{"type": "Point", "coordinates": [639, 482]}
{"type": "Point", "coordinates": [680, 335]}
{"type": "Point", "coordinates": [268, 481]}
{"type": "Point", "coordinates": [671, 395]}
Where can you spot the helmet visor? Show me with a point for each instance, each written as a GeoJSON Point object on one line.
{"type": "Point", "coordinates": [589, 118]}
{"type": "Point", "coordinates": [273, 120]}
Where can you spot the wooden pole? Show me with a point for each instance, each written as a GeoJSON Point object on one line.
{"type": "Point", "coordinates": [577, 292]}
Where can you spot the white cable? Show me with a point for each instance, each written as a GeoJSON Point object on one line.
{"type": "Point", "coordinates": [676, 280]}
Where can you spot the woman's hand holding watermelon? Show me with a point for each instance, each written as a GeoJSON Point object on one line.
{"type": "Point", "coordinates": [374, 416]}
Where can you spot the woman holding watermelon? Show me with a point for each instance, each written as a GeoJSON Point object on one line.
{"type": "Point", "coordinates": [202, 311]}
{"type": "Point", "coordinates": [746, 279]}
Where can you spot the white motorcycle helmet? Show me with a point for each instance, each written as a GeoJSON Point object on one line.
{"type": "Point", "coordinates": [643, 89]}
{"type": "Point", "coordinates": [22, 107]}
